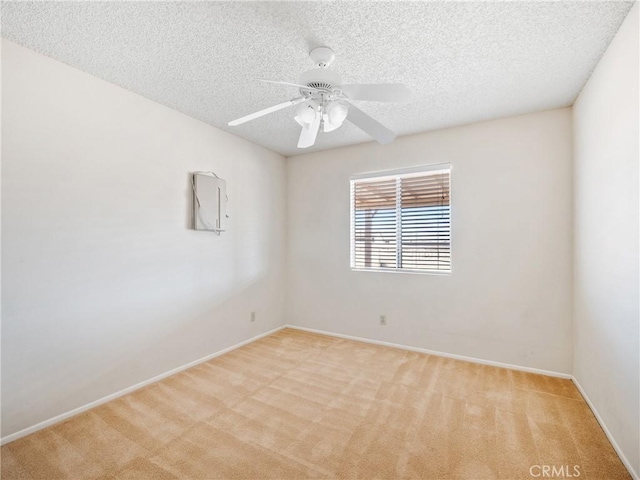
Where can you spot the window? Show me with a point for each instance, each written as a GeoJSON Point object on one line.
{"type": "Point", "coordinates": [401, 220]}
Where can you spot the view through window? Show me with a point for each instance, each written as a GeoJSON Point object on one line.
{"type": "Point", "coordinates": [402, 221]}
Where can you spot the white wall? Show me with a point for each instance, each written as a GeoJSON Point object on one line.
{"type": "Point", "coordinates": [104, 284]}
{"type": "Point", "coordinates": [509, 296]}
{"type": "Point", "coordinates": [606, 324]}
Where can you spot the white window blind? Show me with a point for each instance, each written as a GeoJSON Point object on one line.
{"type": "Point", "coordinates": [402, 221]}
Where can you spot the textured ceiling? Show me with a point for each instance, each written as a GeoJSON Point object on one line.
{"type": "Point", "coordinates": [465, 62]}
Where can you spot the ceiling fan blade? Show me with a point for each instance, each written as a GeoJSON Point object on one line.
{"type": "Point", "coordinates": [290, 84]}
{"type": "Point", "coordinates": [384, 92]}
{"type": "Point", "coordinates": [310, 132]}
{"type": "Point", "coordinates": [275, 108]}
{"type": "Point", "coordinates": [369, 125]}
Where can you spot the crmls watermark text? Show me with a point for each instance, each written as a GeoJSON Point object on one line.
{"type": "Point", "coordinates": [554, 471]}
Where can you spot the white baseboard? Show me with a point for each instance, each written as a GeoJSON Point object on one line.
{"type": "Point", "coordinates": [616, 447]}
{"type": "Point", "coordinates": [433, 352]}
{"type": "Point", "coordinates": [113, 396]}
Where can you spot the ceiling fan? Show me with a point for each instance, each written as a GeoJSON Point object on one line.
{"type": "Point", "coordinates": [325, 103]}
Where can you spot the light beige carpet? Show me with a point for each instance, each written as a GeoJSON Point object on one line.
{"type": "Point", "coordinates": [299, 405]}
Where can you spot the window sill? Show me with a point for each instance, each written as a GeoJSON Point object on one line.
{"type": "Point", "coordinates": [402, 270]}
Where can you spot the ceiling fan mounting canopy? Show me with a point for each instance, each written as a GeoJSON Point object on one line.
{"type": "Point", "coordinates": [322, 56]}
{"type": "Point", "coordinates": [325, 102]}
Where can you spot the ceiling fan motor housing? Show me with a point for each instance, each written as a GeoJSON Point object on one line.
{"type": "Point", "coordinates": [321, 79]}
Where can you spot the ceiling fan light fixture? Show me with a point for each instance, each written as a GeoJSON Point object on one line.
{"type": "Point", "coordinates": [334, 115]}
{"type": "Point", "coordinates": [327, 126]}
{"type": "Point", "coordinates": [337, 112]}
{"type": "Point", "coordinates": [306, 112]}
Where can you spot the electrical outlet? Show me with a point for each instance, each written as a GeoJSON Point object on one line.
{"type": "Point", "coordinates": [253, 316]}
{"type": "Point", "coordinates": [383, 319]}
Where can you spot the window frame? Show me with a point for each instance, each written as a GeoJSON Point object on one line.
{"type": "Point", "coordinates": [395, 174]}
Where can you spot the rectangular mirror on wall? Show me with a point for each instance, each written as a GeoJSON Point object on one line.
{"type": "Point", "coordinates": [209, 202]}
